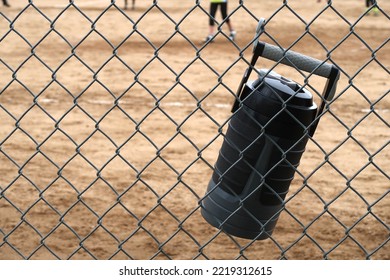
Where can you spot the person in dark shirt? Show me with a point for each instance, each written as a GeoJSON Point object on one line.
{"type": "Point", "coordinates": [133, 4]}
{"type": "Point", "coordinates": [213, 10]}
{"type": "Point", "coordinates": [5, 3]}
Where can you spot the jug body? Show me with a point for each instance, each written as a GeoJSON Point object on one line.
{"type": "Point", "coordinates": [262, 148]}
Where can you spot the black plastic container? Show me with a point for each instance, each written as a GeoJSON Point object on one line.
{"type": "Point", "coordinates": [264, 142]}
{"type": "Point", "coordinates": [266, 137]}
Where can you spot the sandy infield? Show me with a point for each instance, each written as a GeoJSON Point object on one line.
{"type": "Point", "coordinates": [111, 122]}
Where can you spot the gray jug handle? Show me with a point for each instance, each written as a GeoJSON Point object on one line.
{"type": "Point", "coordinates": [296, 60]}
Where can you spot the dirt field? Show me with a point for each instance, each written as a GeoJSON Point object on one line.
{"type": "Point", "coordinates": [110, 126]}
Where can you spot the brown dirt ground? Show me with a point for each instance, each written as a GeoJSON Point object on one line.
{"type": "Point", "coordinates": [106, 153]}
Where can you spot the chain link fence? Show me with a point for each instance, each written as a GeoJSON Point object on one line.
{"type": "Point", "coordinates": [111, 121]}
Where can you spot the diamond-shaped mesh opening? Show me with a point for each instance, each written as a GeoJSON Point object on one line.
{"type": "Point", "coordinates": [62, 242]}
{"type": "Point", "coordinates": [348, 50]}
{"type": "Point", "coordinates": [137, 103]}
{"type": "Point", "coordinates": [137, 199]}
{"type": "Point", "coordinates": [380, 252]}
{"type": "Point", "coordinates": [22, 194]}
{"type": "Point", "coordinates": [9, 220]}
{"type": "Point", "coordinates": [329, 19]}
{"type": "Point", "coordinates": [52, 58]}
{"type": "Point", "coordinates": [150, 127]}
{"type": "Point", "coordinates": [55, 101]}
{"type": "Point", "coordinates": [99, 197]}
{"type": "Point", "coordinates": [371, 32]}
{"type": "Point", "coordinates": [140, 245]}
{"type": "Point", "coordinates": [348, 207]}
{"type": "Point", "coordinates": [120, 222]}
{"type": "Point", "coordinates": [93, 152]}
{"type": "Point", "coordinates": [300, 199]}
{"type": "Point", "coordinates": [24, 22]}
{"type": "Point", "coordinates": [168, 53]}
{"type": "Point", "coordinates": [119, 174]}
{"type": "Point", "coordinates": [369, 226]}
{"type": "Point", "coordinates": [136, 43]}
{"type": "Point", "coordinates": [80, 219]}
{"type": "Point", "coordinates": [199, 78]}
{"type": "Point", "coordinates": [159, 218]}
{"type": "Point", "coordinates": [58, 148]}
{"type": "Point", "coordinates": [25, 247]}
{"type": "Point", "coordinates": [9, 252]}
{"type": "Point", "coordinates": [37, 124]}
{"type": "Point", "coordinates": [147, 151]}
{"type": "Point", "coordinates": [208, 56]}
{"type": "Point", "coordinates": [179, 201]}
{"type": "Point", "coordinates": [42, 217]}
{"type": "Point", "coordinates": [60, 196]}
{"type": "Point", "coordinates": [288, 35]}
{"type": "Point", "coordinates": [100, 244]}
{"type": "Point", "coordinates": [366, 135]}
{"type": "Point", "coordinates": [117, 134]}
{"type": "Point", "coordinates": [179, 149]}
{"type": "Point", "coordinates": [185, 23]}
{"type": "Point", "coordinates": [8, 48]}
{"type": "Point", "coordinates": [157, 85]}
{"type": "Point", "coordinates": [94, 98]}
{"type": "Point", "coordinates": [153, 180]}
{"type": "Point", "coordinates": [9, 168]}
{"type": "Point", "coordinates": [70, 172]}
{"type": "Point", "coordinates": [77, 125]}
{"type": "Point", "coordinates": [370, 82]}
{"type": "Point", "coordinates": [115, 76]}
{"type": "Point", "coordinates": [181, 244]}
{"type": "Point", "coordinates": [198, 232]}
{"type": "Point", "coordinates": [161, 32]}
{"type": "Point", "coordinates": [339, 156]}
{"type": "Point", "coordinates": [87, 49]}
{"type": "Point", "coordinates": [323, 228]}
{"type": "Point", "coordinates": [347, 249]}
{"type": "Point", "coordinates": [107, 27]}
{"type": "Point", "coordinates": [32, 171]}
{"type": "Point", "coordinates": [69, 70]}
{"type": "Point", "coordinates": [18, 147]}
{"type": "Point", "coordinates": [212, 248]}
{"type": "Point", "coordinates": [69, 20]}
{"type": "Point", "coordinates": [16, 99]}
{"type": "Point", "coordinates": [289, 228]}
{"type": "Point", "coordinates": [303, 249]}
{"type": "Point", "coordinates": [178, 97]}
{"type": "Point", "coordinates": [364, 181]}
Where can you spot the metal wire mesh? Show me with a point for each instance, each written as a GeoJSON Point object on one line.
{"type": "Point", "coordinates": [111, 120]}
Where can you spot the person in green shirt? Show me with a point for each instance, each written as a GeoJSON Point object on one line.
{"type": "Point", "coordinates": [213, 10]}
{"type": "Point", "coordinates": [371, 7]}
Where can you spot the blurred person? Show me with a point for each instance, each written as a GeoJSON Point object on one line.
{"type": "Point", "coordinates": [371, 7]}
{"type": "Point", "coordinates": [213, 10]}
{"type": "Point", "coordinates": [5, 3]}
{"type": "Point", "coordinates": [133, 5]}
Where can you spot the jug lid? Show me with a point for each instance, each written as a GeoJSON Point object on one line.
{"type": "Point", "coordinates": [285, 88]}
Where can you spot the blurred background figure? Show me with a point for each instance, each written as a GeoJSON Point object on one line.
{"type": "Point", "coordinates": [213, 10]}
{"type": "Point", "coordinates": [133, 5]}
{"type": "Point", "coordinates": [372, 10]}
{"type": "Point", "coordinates": [5, 3]}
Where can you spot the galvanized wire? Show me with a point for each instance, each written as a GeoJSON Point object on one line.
{"type": "Point", "coordinates": [41, 218]}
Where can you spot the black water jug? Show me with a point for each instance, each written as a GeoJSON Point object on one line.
{"type": "Point", "coordinates": [266, 137]}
